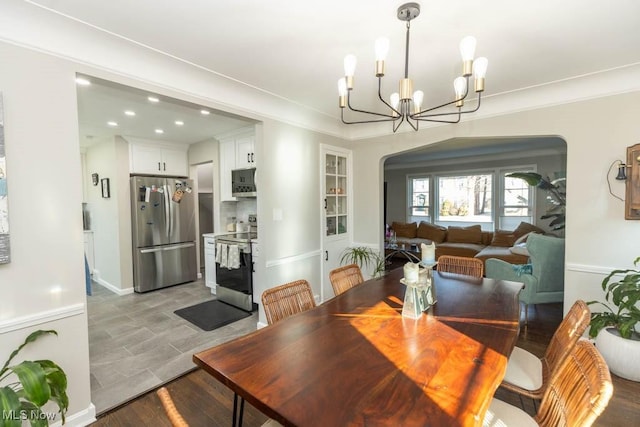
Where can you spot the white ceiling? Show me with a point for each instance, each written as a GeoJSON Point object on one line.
{"type": "Point", "coordinates": [294, 49]}
{"type": "Point", "coordinates": [103, 101]}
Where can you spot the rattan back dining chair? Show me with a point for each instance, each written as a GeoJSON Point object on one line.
{"type": "Point", "coordinates": [528, 375]}
{"type": "Point", "coordinates": [286, 300]}
{"type": "Point", "coordinates": [178, 421]}
{"type": "Point", "coordinates": [461, 265]}
{"type": "Point", "coordinates": [170, 408]}
{"type": "Point", "coordinates": [344, 278]}
{"type": "Point", "coordinates": [578, 392]}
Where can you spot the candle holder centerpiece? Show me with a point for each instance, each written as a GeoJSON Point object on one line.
{"type": "Point", "coordinates": [420, 295]}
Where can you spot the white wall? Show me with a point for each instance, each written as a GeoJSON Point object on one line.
{"type": "Point", "coordinates": [596, 131]}
{"type": "Point", "coordinates": [289, 184]}
{"type": "Point", "coordinates": [43, 287]}
{"type": "Point", "coordinates": [111, 223]}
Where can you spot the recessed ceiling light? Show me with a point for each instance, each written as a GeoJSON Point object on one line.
{"type": "Point", "coordinates": [153, 99]}
{"type": "Point", "coordinates": [82, 81]}
{"type": "Point", "coordinates": [179, 122]}
{"type": "Point", "coordinates": [159, 131]}
{"type": "Point", "coordinates": [130, 113]}
{"type": "Point", "coordinates": [112, 124]}
{"type": "Point", "coordinates": [204, 112]}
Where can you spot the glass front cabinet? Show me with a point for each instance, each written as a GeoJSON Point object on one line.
{"type": "Point", "coordinates": [336, 196]}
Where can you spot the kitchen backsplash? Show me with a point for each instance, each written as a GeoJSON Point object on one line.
{"type": "Point", "coordinates": [240, 209]}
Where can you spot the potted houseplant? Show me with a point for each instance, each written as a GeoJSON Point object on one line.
{"type": "Point", "coordinates": [364, 258]}
{"type": "Point", "coordinates": [29, 385]}
{"type": "Point", "coordinates": [615, 328]}
{"type": "Point", "coordinates": [556, 195]}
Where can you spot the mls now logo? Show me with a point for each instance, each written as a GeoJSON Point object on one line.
{"type": "Point", "coordinates": [28, 415]}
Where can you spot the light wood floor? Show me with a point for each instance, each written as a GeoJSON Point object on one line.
{"type": "Point", "coordinates": [204, 401]}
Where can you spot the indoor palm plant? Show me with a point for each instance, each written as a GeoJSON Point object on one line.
{"type": "Point", "coordinates": [37, 383]}
{"type": "Point", "coordinates": [363, 257]}
{"type": "Point", "coordinates": [615, 328]}
{"type": "Point", "coordinates": [556, 195]}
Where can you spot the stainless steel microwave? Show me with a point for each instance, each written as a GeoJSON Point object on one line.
{"type": "Point", "coordinates": [243, 182]}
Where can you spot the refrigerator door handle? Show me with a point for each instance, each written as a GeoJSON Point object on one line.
{"type": "Point", "coordinates": [147, 251]}
{"type": "Point", "coordinates": [167, 211]}
{"type": "Point", "coordinates": [182, 246]}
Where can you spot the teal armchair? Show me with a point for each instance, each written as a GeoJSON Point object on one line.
{"type": "Point", "coordinates": [544, 282]}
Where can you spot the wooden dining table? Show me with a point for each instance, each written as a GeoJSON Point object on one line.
{"type": "Point", "coordinates": [356, 361]}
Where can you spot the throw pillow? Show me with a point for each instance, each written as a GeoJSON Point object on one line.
{"type": "Point", "coordinates": [471, 234]}
{"type": "Point", "coordinates": [433, 232]}
{"type": "Point", "coordinates": [523, 239]}
{"type": "Point", "coordinates": [503, 238]}
{"type": "Point", "coordinates": [525, 228]}
{"type": "Point", "coordinates": [405, 230]}
{"type": "Point", "coordinates": [519, 249]}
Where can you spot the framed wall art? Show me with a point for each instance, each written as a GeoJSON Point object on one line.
{"type": "Point", "coordinates": [105, 188]}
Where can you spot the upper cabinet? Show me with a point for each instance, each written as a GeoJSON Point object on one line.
{"type": "Point", "coordinates": [245, 155]}
{"type": "Point", "coordinates": [157, 159]}
{"type": "Point", "coordinates": [236, 152]}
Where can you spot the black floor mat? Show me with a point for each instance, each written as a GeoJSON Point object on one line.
{"type": "Point", "coordinates": [212, 314]}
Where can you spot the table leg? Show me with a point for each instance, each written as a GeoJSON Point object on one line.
{"type": "Point", "coordinates": [237, 412]}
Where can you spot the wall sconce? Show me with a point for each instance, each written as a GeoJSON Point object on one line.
{"type": "Point", "coordinates": [622, 171]}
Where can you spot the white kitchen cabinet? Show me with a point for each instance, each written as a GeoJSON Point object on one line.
{"type": "Point", "coordinates": [158, 160]}
{"type": "Point", "coordinates": [227, 164]}
{"type": "Point", "coordinates": [210, 262]}
{"type": "Point", "coordinates": [236, 152]}
{"type": "Point", "coordinates": [245, 153]}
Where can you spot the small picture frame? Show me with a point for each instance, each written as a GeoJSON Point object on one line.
{"type": "Point", "coordinates": [94, 178]}
{"type": "Point", "coordinates": [105, 188]}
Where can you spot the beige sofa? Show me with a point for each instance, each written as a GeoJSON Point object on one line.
{"type": "Point", "coordinates": [468, 241]}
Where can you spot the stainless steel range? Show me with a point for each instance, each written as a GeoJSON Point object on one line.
{"type": "Point", "coordinates": [234, 276]}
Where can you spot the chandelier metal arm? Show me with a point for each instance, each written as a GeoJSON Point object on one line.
{"type": "Point", "coordinates": [427, 116]}
{"type": "Point", "coordinates": [389, 119]}
{"type": "Point", "coordinates": [364, 111]}
{"type": "Point", "coordinates": [420, 113]}
{"type": "Point", "coordinates": [382, 99]}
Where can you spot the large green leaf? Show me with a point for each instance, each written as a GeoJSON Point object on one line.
{"type": "Point", "coordinates": [531, 178]}
{"type": "Point", "coordinates": [57, 380]}
{"type": "Point", "coordinates": [34, 382]}
{"type": "Point", "coordinates": [10, 406]}
{"type": "Point", "coordinates": [31, 338]}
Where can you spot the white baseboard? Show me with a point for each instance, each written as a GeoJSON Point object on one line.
{"type": "Point", "coordinates": [261, 325]}
{"type": "Point", "coordinates": [47, 316]}
{"type": "Point", "coordinates": [112, 288]}
{"type": "Point", "coordinates": [79, 419]}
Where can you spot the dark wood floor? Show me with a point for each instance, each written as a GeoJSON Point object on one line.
{"type": "Point", "coordinates": [204, 401]}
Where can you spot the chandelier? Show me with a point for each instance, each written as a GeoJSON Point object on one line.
{"type": "Point", "coordinates": [406, 105]}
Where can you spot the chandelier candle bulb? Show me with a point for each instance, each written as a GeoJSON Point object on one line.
{"type": "Point", "coordinates": [350, 62]}
{"type": "Point", "coordinates": [479, 71]}
{"type": "Point", "coordinates": [460, 87]}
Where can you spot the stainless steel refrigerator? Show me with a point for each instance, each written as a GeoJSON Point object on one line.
{"type": "Point", "coordinates": [163, 227]}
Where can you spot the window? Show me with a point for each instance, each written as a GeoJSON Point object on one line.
{"type": "Point", "coordinates": [465, 198]}
{"type": "Point", "coordinates": [517, 200]}
{"type": "Point", "coordinates": [468, 198]}
{"type": "Point", "coordinates": [419, 199]}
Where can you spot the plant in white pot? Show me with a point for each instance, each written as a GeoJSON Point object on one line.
{"type": "Point", "coordinates": [615, 329]}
